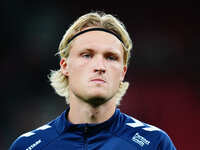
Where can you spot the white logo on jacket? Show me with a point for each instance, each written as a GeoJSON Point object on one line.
{"type": "Point", "coordinates": [137, 138]}
{"type": "Point", "coordinates": [34, 144]}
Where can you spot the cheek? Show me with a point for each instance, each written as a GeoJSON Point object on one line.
{"type": "Point", "coordinates": [116, 73]}
{"type": "Point", "coordinates": [76, 68]}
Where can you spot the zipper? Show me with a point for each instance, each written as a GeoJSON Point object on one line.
{"type": "Point", "coordinates": [85, 137]}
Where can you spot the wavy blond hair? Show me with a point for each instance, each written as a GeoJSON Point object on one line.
{"type": "Point", "coordinates": [59, 81]}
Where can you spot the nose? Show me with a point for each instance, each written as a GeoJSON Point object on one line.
{"type": "Point", "coordinates": [100, 71]}
{"type": "Point", "coordinates": [100, 66]}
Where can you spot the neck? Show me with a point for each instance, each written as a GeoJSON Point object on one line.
{"type": "Point", "coordinates": [81, 112]}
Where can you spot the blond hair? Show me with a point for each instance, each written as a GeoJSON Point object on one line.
{"type": "Point", "coordinates": [107, 21]}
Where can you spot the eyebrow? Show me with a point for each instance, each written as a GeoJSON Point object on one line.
{"type": "Point", "coordinates": [107, 51]}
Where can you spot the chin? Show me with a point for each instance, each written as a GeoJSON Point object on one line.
{"type": "Point", "coordinates": [97, 92]}
{"type": "Point", "coordinates": [96, 101]}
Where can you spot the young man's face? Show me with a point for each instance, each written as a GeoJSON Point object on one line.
{"type": "Point", "coordinates": [94, 67]}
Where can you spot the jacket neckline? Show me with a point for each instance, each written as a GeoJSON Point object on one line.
{"type": "Point", "coordinates": [63, 125]}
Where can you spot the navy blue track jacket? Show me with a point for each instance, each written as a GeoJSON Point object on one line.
{"type": "Point", "coordinates": [120, 132]}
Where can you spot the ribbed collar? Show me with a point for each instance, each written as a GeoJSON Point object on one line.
{"type": "Point", "coordinates": [63, 125]}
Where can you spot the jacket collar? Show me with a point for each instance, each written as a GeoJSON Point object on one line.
{"type": "Point", "coordinates": [63, 125]}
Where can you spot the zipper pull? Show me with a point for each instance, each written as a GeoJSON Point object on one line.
{"type": "Point", "coordinates": [86, 129]}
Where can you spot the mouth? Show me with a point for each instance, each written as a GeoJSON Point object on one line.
{"type": "Point", "coordinates": [98, 80]}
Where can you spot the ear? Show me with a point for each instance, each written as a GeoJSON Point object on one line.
{"type": "Point", "coordinates": [64, 66]}
{"type": "Point", "coordinates": [124, 70]}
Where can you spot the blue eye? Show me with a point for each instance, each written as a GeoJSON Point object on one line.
{"type": "Point", "coordinates": [86, 55]}
{"type": "Point", "coordinates": [111, 58]}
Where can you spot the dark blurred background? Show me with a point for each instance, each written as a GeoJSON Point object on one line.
{"type": "Point", "coordinates": [163, 74]}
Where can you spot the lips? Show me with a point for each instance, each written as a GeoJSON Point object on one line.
{"type": "Point", "coordinates": [98, 80]}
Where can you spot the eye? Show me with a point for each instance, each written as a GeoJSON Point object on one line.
{"type": "Point", "coordinates": [112, 57]}
{"type": "Point", "coordinates": [86, 55]}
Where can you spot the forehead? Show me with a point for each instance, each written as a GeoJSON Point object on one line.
{"type": "Point", "coordinates": [97, 40]}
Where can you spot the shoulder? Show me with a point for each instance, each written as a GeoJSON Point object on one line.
{"type": "Point", "coordinates": [144, 134]}
{"type": "Point", "coordinates": [35, 138]}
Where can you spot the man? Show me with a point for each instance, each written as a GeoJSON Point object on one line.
{"type": "Point", "coordinates": [94, 53]}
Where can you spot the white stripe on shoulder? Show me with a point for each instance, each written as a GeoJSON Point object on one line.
{"type": "Point", "coordinates": [135, 124]}
{"type": "Point", "coordinates": [151, 128]}
{"type": "Point", "coordinates": [27, 134]}
{"type": "Point", "coordinates": [44, 127]}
